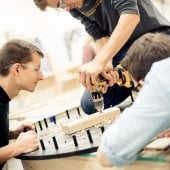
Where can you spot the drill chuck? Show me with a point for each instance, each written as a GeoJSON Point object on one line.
{"type": "Point", "coordinates": [98, 101]}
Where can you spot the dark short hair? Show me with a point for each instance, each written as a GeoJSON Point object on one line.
{"type": "Point", "coordinates": [146, 50]}
{"type": "Point", "coordinates": [16, 51]}
{"type": "Point", "coordinates": [41, 4]}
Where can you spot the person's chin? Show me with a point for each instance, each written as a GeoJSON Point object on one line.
{"type": "Point", "coordinates": [31, 89]}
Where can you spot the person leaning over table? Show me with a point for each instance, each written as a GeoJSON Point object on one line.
{"type": "Point", "coordinates": [114, 25]}
{"type": "Point", "coordinates": [20, 63]}
{"type": "Point", "coordinates": [149, 115]}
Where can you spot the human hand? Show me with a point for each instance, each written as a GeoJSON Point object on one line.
{"type": "Point", "coordinates": [89, 75]}
{"type": "Point", "coordinates": [25, 126]}
{"type": "Point", "coordinates": [111, 75]}
{"type": "Point", "coordinates": [164, 134]}
{"type": "Point", "coordinates": [102, 158]}
{"type": "Point", "coordinates": [89, 72]}
{"type": "Point", "coordinates": [27, 142]}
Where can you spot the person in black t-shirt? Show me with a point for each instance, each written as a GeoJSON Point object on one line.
{"type": "Point", "coordinates": [114, 25]}
{"type": "Point", "coordinates": [19, 70]}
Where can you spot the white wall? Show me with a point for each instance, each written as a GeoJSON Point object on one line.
{"type": "Point", "coordinates": [21, 18]}
{"type": "Point", "coordinates": [164, 7]}
{"type": "Point", "coordinates": [24, 19]}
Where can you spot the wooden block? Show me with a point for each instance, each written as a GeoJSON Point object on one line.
{"type": "Point", "coordinates": [159, 144]}
{"type": "Point", "coordinates": [91, 120]}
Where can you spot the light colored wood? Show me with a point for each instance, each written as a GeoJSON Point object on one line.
{"type": "Point", "coordinates": [160, 144]}
{"type": "Point", "coordinates": [88, 162]}
{"type": "Point", "coordinates": [91, 120]}
{"type": "Point", "coordinates": [68, 163]}
{"type": "Point", "coordinates": [53, 106]}
{"type": "Point", "coordinates": [148, 165]}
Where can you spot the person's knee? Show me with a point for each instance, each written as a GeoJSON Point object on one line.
{"type": "Point", "coordinates": [87, 103]}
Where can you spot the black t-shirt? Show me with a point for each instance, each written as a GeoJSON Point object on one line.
{"type": "Point", "coordinates": [4, 121]}
{"type": "Point", "coordinates": [100, 17]}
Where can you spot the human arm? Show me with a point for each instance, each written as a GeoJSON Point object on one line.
{"type": "Point", "coordinates": [25, 126]}
{"type": "Point", "coordinates": [26, 142]}
{"type": "Point", "coordinates": [139, 124]}
{"type": "Point", "coordinates": [88, 72]}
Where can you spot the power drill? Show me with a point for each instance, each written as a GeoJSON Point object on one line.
{"type": "Point", "coordinates": [97, 95]}
{"type": "Point", "coordinates": [125, 79]}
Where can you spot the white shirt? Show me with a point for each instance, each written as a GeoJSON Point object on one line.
{"type": "Point", "coordinates": [146, 118]}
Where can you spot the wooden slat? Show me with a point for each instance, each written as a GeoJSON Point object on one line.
{"type": "Point", "coordinates": [159, 144]}
{"type": "Point", "coordinates": [91, 120]}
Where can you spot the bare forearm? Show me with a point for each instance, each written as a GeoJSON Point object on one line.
{"type": "Point", "coordinates": [125, 27]}
{"type": "Point", "coordinates": [9, 151]}
{"type": "Point", "coordinates": [100, 43]}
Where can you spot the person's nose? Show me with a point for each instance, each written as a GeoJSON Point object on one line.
{"type": "Point", "coordinates": [40, 75]}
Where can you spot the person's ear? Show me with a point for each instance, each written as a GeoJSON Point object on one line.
{"type": "Point", "coordinates": [16, 68]}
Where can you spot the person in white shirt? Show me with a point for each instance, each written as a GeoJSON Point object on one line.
{"type": "Point", "coordinates": [150, 113]}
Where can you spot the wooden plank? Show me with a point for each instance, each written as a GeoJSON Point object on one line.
{"type": "Point", "coordinates": [87, 162]}
{"type": "Point", "coordinates": [159, 144]}
{"type": "Point", "coordinates": [68, 163]}
{"type": "Point", "coordinates": [91, 120]}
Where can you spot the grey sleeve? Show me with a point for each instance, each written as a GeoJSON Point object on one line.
{"type": "Point", "coordinates": [126, 6]}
